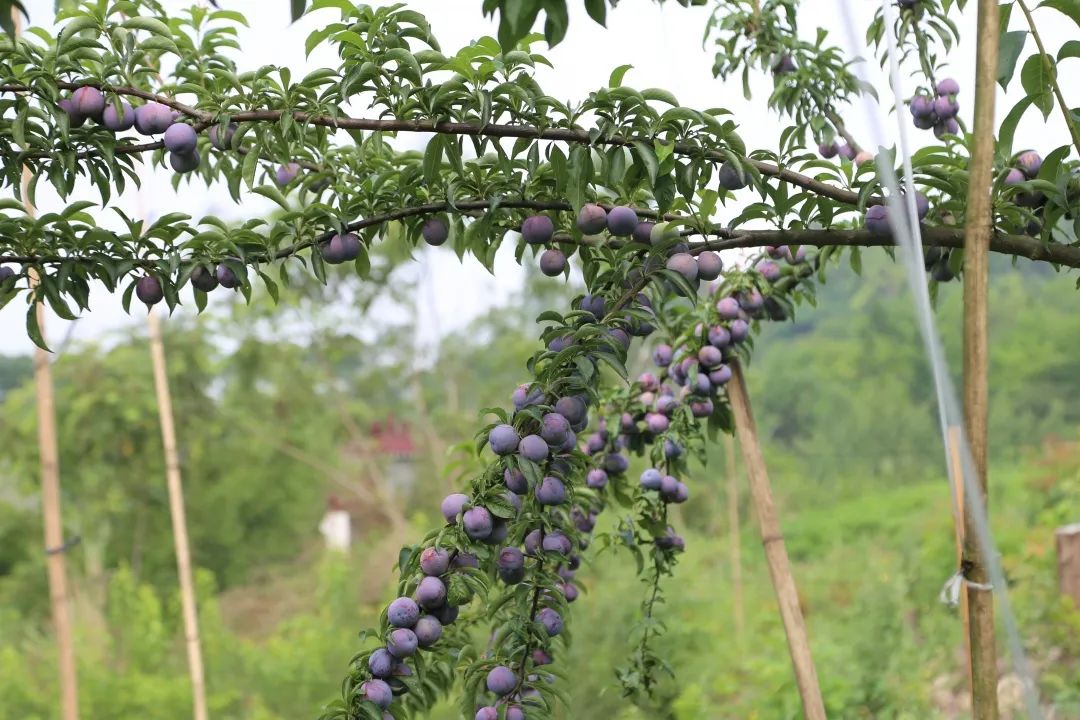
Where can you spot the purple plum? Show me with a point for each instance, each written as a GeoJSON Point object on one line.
{"type": "Point", "coordinates": [180, 138]}
{"type": "Point", "coordinates": [431, 592]}
{"type": "Point", "coordinates": [551, 491]}
{"type": "Point", "coordinates": [591, 219]}
{"type": "Point", "coordinates": [876, 220]}
{"type": "Point", "coordinates": [434, 561]}
{"type": "Point", "coordinates": [538, 229]}
{"type": "Point", "coordinates": [551, 621]}
{"type": "Point", "coordinates": [477, 522]}
{"type": "Point", "coordinates": [285, 174]}
{"type": "Point", "coordinates": [732, 178]}
{"type": "Point", "coordinates": [184, 162]}
{"type": "Point", "coordinates": [709, 266]}
{"type": "Point", "coordinates": [118, 120]}
{"type": "Point", "coordinates": [403, 612]}
{"type": "Point", "coordinates": [533, 447]}
{"type": "Point", "coordinates": [401, 643]}
{"type": "Point", "coordinates": [222, 141]}
{"type": "Point", "coordinates": [428, 631]}
{"type": "Point", "coordinates": [503, 439]}
{"type": "Point", "coordinates": [434, 231]}
{"type": "Point", "coordinates": [148, 289]}
{"type": "Point", "coordinates": [622, 221]}
{"type": "Point", "coordinates": [553, 262]}
{"type": "Point", "coordinates": [88, 102]}
{"type": "Point", "coordinates": [501, 680]}
{"type": "Point", "coordinates": [153, 118]}
{"type": "Point", "coordinates": [452, 505]}
{"type": "Point", "coordinates": [378, 692]}
{"type": "Point", "coordinates": [381, 663]}
{"type": "Point", "coordinates": [685, 265]}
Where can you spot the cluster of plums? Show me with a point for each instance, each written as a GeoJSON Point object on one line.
{"type": "Point", "coordinates": [938, 112]}
{"type": "Point", "coordinates": [154, 118]}
{"type": "Point", "coordinates": [876, 217]}
{"type": "Point", "coordinates": [149, 290]}
{"type": "Point", "coordinates": [1026, 167]}
{"type": "Point", "coordinates": [151, 118]}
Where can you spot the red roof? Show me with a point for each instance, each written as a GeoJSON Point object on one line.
{"type": "Point", "coordinates": [392, 437]}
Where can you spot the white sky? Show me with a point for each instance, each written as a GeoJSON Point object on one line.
{"type": "Point", "coordinates": [662, 42]}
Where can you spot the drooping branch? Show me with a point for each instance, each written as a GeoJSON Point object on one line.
{"type": "Point", "coordinates": [566, 135]}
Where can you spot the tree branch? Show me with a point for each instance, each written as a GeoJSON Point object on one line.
{"type": "Point", "coordinates": [567, 135]}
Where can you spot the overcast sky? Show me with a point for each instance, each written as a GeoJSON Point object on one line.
{"type": "Point", "coordinates": [664, 45]}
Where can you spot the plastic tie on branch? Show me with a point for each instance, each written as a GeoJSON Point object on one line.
{"type": "Point", "coordinates": [64, 546]}
{"type": "Point", "coordinates": [950, 591]}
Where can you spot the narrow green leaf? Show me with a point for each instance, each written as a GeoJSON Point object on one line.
{"type": "Point", "coordinates": [1011, 44]}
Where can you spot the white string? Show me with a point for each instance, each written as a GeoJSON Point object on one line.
{"type": "Point", "coordinates": [905, 227]}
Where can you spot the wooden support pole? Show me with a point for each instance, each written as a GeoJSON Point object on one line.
{"type": "Point", "coordinates": [1068, 556]}
{"type": "Point", "coordinates": [787, 595]}
{"type": "Point", "coordinates": [56, 565]}
{"type": "Point", "coordinates": [977, 234]}
{"type": "Point", "coordinates": [734, 540]}
{"type": "Point", "coordinates": [179, 521]}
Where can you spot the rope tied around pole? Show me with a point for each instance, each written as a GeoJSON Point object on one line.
{"type": "Point", "coordinates": [950, 591]}
{"type": "Point", "coordinates": [64, 546]}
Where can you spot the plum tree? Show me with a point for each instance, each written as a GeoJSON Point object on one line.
{"type": "Point", "coordinates": [632, 179]}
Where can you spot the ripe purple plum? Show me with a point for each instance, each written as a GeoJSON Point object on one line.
{"type": "Point", "coordinates": [403, 612]}
{"type": "Point", "coordinates": [477, 522]}
{"type": "Point", "coordinates": [6, 273]}
{"type": "Point", "coordinates": [662, 355]}
{"type": "Point", "coordinates": [153, 118]}
{"type": "Point", "coordinates": [769, 269]}
{"type": "Point", "coordinates": [553, 262]}
{"type": "Point", "coordinates": [876, 219]}
{"type": "Point", "coordinates": [1029, 163]}
{"type": "Point", "coordinates": [434, 561]}
{"type": "Point", "coordinates": [947, 127]}
{"type": "Point", "coordinates": [381, 663]}
{"type": "Point", "coordinates": [434, 231]}
{"type": "Point", "coordinates": [501, 680]}
{"type": "Point", "coordinates": [672, 449]}
{"type": "Point", "coordinates": [557, 542]}
{"type": "Point", "coordinates": [378, 692]}
{"type": "Point", "coordinates": [452, 505]}
{"type": "Point", "coordinates": [573, 408]}
{"type": "Point", "coordinates": [222, 140]}
{"type": "Point", "coordinates": [591, 219]}
{"type": "Point", "coordinates": [709, 265]}
{"type": "Point", "coordinates": [551, 491]}
{"type": "Point", "coordinates": [643, 233]}
{"type": "Point", "coordinates": [551, 620]}
{"type": "Point", "coordinates": [503, 439]}
{"type": "Point", "coordinates": [431, 593]}
{"type": "Point", "coordinates": [148, 289]}
{"type": "Point", "coordinates": [118, 120]}
{"type": "Point", "coordinates": [533, 447]}
{"type": "Point", "coordinates": [701, 408]}
{"type": "Point", "coordinates": [180, 138]}
{"type": "Point", "coordinates": [720, 376]}
{"type": "Point", "coordinates": [685, 265]}
{"type": "Point", "coordinates": [945, 107]}
{"type": "Point", "coordinates": [732, 178]}
{"type": "Point", "coordinates": [740, 330]}
{"type": "Point", "coordinates": [728, 308]}
{"type": "Point", "coordinates": [184, 162]}
{"type": "Point", "coordinates": [947, 86]}
{"type": "Point", "coordinates": [226, 276]}
{"type": "Point", "coordinates": [554, 428]}
{"type": "Point", "coordinates": [515, 481]}
{"type": "Point", "coordinates": [401, 643]}
{"type": "Point", "coordinates": [828, 150]}
{"type": "Point", "coordinates": [847, 152]}
{"type": "Point", "coordinates": [569, 591]}
{"type": "Point", "coordinates": [710, 356]}
{"type": "Point", "coordinates": [428, 631]}
{"type": "Point", "coordinates": [525, 395]}
{"type": "Point", "coordinates": [596, 479]}
{"type": "Point", "coordinates": [593, 304]}
{"type": "Point", "coordinates": [615, 463]}
{"type": "Point", "coordinates": [622, 221]}
{"type": "Point", "coordinates": [487, 713]}
{"type": "Point", "coordinates": [651, 479]}
{"type": "Point", "coordinates": [1014, 177]}
{"type": "Point", "coordinates": [783, 65]}
{"type": "Point", "coordinates": [88, 102]}
{"type": "Point", "coordinates": [285, 174]}
{"type": "Point", "coordinates": [446, 615]}
{"type": "Point", "coordinates": [538, 229]}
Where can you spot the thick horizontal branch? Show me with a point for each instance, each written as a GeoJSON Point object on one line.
{"type": "Point", "coordinates": [951, 237]}
{"type": "Point", "coordinates": [567, 135]}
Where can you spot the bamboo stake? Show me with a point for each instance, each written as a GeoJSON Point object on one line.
{"type": "Point", "coordinates": [787, 595]}
{"type": "Point", "coordinates": [56, 563]}
{"type": "Point", "coordinates": [977, 236]}
{"type": "Point", "coordinates": [957, 470]}
{"type": "Point", "coordinates": [734, 539]}
{"type": "Point", "coordinates": [179, 521]}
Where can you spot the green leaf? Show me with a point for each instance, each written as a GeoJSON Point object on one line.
{"type": "Point", "coordinates": [1011, 44]}
{"type": "Point", "coordinates": [33, 329]}
{"type": "Point", "coordinates": [616, 77]}
{"type": "Point", "coordinates": [1004, 13]}
{"type": "Point", "coordinates": [151, 25]}
{"type": "Point", "coordinates": [298, 7]}
{"type": "Point", "coordinates": [1069, 49]}
{"type": "Point", "coordinates": [1037, 78]}
{"type": "Point", "coordinates": [1008, 125]}
{"type": "Point", "coordinates": [1069, 8]}
{"type": "Point", "coordinates": [597, 10]}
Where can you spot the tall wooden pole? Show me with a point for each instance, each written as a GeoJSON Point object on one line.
{"type": "Point", "coordinates": [734, 540]}
{"type": "Point", "coordinates": [179, 521]}
{"type": "Point", "coordinates": [787, 595]}
{"type": "Point", "coordinates": [977, 235]}
{"type": "Point", "coordinates": [50, 492]}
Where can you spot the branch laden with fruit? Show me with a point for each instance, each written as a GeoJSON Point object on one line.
{"type": "Point", "coordinates": [628, 181]}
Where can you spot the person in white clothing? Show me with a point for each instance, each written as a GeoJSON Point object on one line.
{"type": "Point", "coordinates": [336, 526]}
